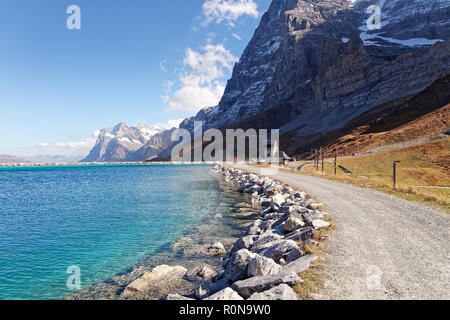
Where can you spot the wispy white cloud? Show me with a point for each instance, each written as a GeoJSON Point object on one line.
{"type": "Point", "coordinates": [80, 147]}
{"type": "Point", "coordinates": [162, 66]}
{"type": "Point", "coordinates": [168, 86]}
{"type": "Point", "coordinates": [203, 85]}
{"type": "Point", "coordinates": [170, 124]}
{"type": "Point", "coordinates": [229, 11]}
{"type": "Point", "coordinates": [236, 36]}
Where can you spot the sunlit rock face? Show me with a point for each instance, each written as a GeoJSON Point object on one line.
{"type": "Point", "coordinates": [124, 143]}
{"type": "Point", "coordinates": [312, 66]}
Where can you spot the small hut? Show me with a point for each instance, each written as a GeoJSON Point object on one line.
{"type": "Point", "coordinates": [282, 158]}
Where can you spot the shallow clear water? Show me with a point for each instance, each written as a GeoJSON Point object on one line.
{"type": "Point", "coordinates": [103, 219]}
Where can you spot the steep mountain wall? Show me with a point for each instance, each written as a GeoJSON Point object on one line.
{"type": "Point", "coordinates": [312, 66]}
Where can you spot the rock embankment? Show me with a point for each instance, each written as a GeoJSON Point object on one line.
{"type": "Point", "coordinates": [266, 262]}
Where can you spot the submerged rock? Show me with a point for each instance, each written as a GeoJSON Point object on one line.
{"type": "Point", "coordinates": [160, 279]}
{"type": "Point", "coordinates": [217, 249]}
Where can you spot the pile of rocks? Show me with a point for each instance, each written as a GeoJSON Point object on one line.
{"type": "Point", "coordinates": [266, 262]}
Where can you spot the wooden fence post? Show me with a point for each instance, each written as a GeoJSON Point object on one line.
{"type": "Point", "coordinates": [394, 176]}
{"type": "Point", "coordinates": [335, 160]}
{"type": "Point", "coordinates": [317, 159]}
{"type": "Point", "coordinates": [323, 162]}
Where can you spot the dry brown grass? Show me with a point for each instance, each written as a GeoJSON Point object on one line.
{"type": "Point", "coordinates": [314, 277]}
{"type": "Point", "coordinates": [394, 129]}
{"type": "Point", "coordinates": [421, 170]}
{"type": "Point", "coordinates": [313, 282]}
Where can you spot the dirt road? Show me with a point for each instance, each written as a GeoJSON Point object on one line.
{"type": "Point", "coordinates": [384, 248]}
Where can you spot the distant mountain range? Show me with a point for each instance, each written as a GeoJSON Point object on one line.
{"type": "Point", "coordinates": [43, 158]}
{"type": "Point", "coordinates": [5, 158]}
{"type": "Point", "coordinates": [123, 143]}
{"type": "Point", "coordinates": [118, 144]}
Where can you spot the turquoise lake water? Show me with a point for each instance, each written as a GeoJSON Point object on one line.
{"type": "Point", "coordinates": [102, 219]}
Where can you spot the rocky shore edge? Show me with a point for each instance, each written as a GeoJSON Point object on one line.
{"type": "Point", "coordinates": [265, 263]}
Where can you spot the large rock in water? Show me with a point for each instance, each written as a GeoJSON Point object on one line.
{"type": "Point", "coordinates": [227, 294]}
{"type": "Point", "coordinates": [155, 284]}
{"type": "Point", "coordinates": [246, 288]}
{"type": "Point", "coordinates": [282, 292]}
{"type": "Point", "coordinates": [216, 249]}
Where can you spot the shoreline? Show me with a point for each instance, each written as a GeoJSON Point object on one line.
{"type": "Point", "coordinates": [106, 164]}
{"type": "Point", "coordinates": [188, 250]}
{"type": "Point", "coordinates": [264, 263]}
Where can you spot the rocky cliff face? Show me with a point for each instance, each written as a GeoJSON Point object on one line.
{"type": "Point", "coordinates": [124, 143]}
{"type": "Point", "coordinates": [153, 147]}
{"type": "Point", "coordinates": [313, 66]}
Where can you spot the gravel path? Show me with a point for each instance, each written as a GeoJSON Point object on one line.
{"type": "Point", "coordinates": [385, 247]}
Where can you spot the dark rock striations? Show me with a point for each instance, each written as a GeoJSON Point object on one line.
{"type": "Point", "coordinates": [312, 66]}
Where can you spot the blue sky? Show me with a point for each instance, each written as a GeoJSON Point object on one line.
{"type": "Point", "coordinates": [137, 61]}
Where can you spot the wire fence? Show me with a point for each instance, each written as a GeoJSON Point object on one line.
{"type": "Point", "coordinates": [395, 142]}
{"type": "Point", "coordinates": [382, 168]}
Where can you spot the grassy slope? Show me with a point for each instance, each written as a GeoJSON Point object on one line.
{"type": "Point", "coordinates": [393, 130]}
{"type": "Point", "coordinates": [424, 165]}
